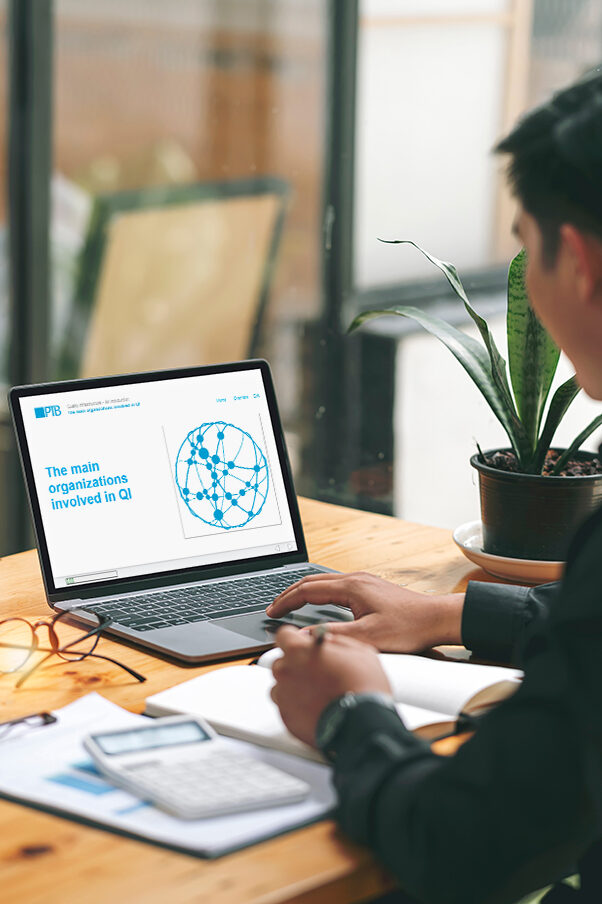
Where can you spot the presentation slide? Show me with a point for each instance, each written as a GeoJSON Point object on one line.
{"type": "Point", "coordinates": [150, 477]}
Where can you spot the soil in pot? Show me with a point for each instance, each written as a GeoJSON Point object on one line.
{"type": "Point", "coordinates": [506, 461]}
{"type": "Point", "coordinates": [534, 516]}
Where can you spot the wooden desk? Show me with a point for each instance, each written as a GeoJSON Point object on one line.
{"type": "Point", "coordinates": [48, 859]}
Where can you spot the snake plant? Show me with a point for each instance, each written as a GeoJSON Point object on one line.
{"type": "Point", "coordinates": [532, 359]}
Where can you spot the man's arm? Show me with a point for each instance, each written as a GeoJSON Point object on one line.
{"type": "Point", "coordinates": [510, 812]}
{"type": "Point", "coordinates": [496, 618]}
{"type": "Point", "coordinates": [521, 800]}
{"type": "Point", "coordinates": [491, 619]}
{"type": "Point", "coordinates": [389, 617]}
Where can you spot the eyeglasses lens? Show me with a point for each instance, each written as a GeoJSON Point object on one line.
{"type": "Point", "coordinates": [16, 644]}
{"type": "Point", "coordinates": [76, 642]}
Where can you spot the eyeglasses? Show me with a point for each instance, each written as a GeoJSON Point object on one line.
{"type": "Point", "coordinates": [19, 640]}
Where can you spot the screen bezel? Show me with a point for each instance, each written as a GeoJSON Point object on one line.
{"type": "Point", "coordinates": [164, 578]}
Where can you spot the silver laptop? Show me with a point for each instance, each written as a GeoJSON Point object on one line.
{"type": "Point", "coordinates": [165, 500]}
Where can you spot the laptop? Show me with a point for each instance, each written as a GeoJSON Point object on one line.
{"type": "Point", "coordinates": [165, 500]}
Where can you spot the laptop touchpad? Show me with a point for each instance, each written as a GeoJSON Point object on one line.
{"type": "Point", "coordinates": [260, 628]}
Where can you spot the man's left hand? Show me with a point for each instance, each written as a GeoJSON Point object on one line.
{"type": "Point", "coordinates": [310, 675]}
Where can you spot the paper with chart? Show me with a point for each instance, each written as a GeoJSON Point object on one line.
{"type": "Point", "coordinates": [63, 778]}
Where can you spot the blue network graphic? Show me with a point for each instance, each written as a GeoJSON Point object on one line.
{"type": "Point", "coordinates": [222, 475]}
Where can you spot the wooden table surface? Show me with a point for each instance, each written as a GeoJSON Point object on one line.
{"type": "Point", "coordinates": [49, 859]}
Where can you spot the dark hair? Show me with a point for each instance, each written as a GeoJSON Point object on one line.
{"type": "Point", "coordinates": [556, 166]}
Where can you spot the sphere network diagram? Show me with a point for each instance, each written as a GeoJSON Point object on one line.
{"type": "Point", "coordinates": [222, 475]}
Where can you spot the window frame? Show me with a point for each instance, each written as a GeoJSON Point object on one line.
{"type": "Point", "coordinates": [30, 57]}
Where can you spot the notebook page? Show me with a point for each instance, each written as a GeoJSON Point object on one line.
{"type": "Point", "coordinates": [431, 684]}
{"type": "Point", "coordinates": [236, 702]}
{"type": "Point", "coordinates": [439, 685]}
{"type": "Point", "coordinates": [415, 717]}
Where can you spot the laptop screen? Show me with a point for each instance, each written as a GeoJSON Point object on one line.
{"type": "Point", "coordinates": [155, 475]}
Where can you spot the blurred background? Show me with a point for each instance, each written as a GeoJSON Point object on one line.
{"type": "Point", "coordinates": [204, 180]}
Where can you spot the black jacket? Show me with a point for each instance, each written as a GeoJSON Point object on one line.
{"type": "Point", "coordinates": [520, 804]}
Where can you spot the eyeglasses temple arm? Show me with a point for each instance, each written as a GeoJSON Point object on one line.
{"type": "Point", "coordinates": [122, 665]}
{"type": "Point", "coordinates": [105, 621]}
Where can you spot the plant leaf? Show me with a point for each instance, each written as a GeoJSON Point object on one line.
{"type": "Point", "coordinates": [473, 357]}
{"type": "Point", "coordinates": [446, 268]}
{"type": "Point", "coordinates": [498, 370]}
{"type": "Point", "coordinates": [532, 353]}
{"type": "Point", "coordinates": [521, 444]}
{"type": "Point", "coordinates": [562, 460]}
{"type": "Point", "coordinates": [561, 400]}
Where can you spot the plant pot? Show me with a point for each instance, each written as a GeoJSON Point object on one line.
{"type": "Point", "coordinates": [528, 516]}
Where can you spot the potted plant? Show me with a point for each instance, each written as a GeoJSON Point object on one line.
{"type": "Point", "coordinates": [532, 496]}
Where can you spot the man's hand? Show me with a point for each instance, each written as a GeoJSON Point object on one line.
{"type": "Point", "coordinates": [309, 675]}
{"type": "Point", "coordinates": [387, 616]}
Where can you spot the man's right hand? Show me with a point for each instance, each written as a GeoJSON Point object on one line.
{"type": "Point", "coordinates": [389, 617]}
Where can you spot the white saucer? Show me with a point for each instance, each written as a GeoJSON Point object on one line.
{"type": "Point", "coordinates": [530, 571]}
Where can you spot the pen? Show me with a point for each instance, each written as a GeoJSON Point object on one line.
{"type": "Point", "coordinates": [319, 633]}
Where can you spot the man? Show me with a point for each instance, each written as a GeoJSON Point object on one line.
{"type": "Point", "coordinates": [520, 804]}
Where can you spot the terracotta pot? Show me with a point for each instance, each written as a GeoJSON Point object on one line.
{"type": "Point", "coordinates": [528, 516]}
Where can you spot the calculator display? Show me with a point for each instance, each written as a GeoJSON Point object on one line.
{"type": "Point", "coordinates": [151, 738]}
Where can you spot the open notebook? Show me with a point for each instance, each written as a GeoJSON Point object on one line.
{"type": "Point", "coordinates": [236, 699]}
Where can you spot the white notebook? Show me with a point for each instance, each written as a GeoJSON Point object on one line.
{"type": "Point", "coordinates": [236, 700]}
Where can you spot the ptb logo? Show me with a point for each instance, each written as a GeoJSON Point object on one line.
{"type": "Point", "coordinates": [48, 411]}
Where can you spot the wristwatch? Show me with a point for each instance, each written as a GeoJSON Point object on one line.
{"type": "Point", "coordinates": [332, 718]}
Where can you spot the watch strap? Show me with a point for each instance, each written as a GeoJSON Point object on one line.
{"type": "Point", "coordinates": [334, 715]}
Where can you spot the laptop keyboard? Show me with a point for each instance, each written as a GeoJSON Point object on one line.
{"type": "Point", "coordinates": [180, 606]}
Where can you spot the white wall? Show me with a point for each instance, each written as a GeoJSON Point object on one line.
{"type": "Point", "coordinates": [429, 110]}
{"type": "Point", "coordinates": [438, 415]}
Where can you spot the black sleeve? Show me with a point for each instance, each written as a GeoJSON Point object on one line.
{"type": "Point", "coordinates": [506, 815]}
{"type": "Point", "coordinates": [496, 617]}
{"type": "Point", "coordinates": [521, 801]}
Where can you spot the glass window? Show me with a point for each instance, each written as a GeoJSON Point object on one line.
{"type": "Point", "coordinates": [152, 94]}
{"type": "Point", "coordinates": [196, 146]}
{"type": "Point", "coordinates": [437, 84]}
{"type": "Point", "coordinates": [431, 86]}
{"type": "Point", "coordinates": [161, 108]}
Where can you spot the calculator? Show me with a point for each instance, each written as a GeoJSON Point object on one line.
{"type": "Point", "coordinates": [182, 766]}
